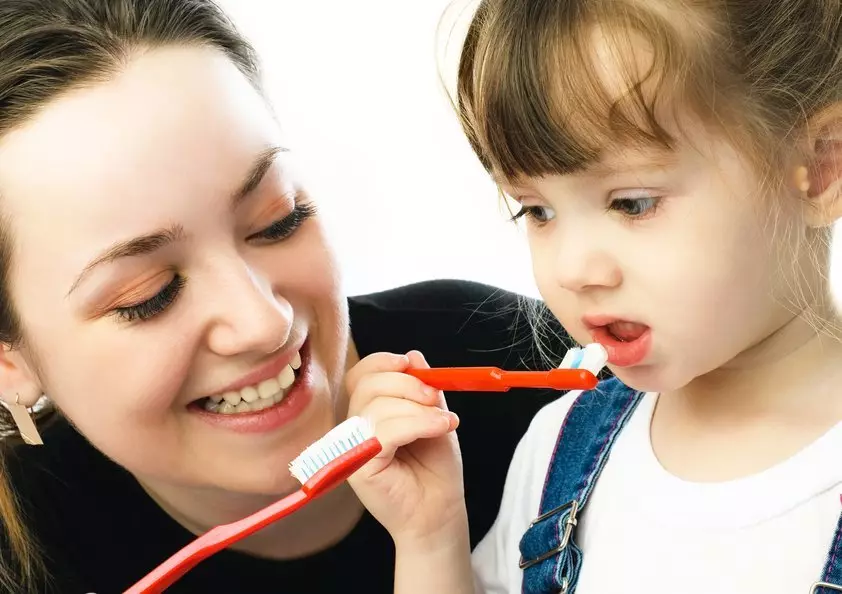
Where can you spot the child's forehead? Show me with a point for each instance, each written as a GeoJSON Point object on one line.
{"type": "Point", "coordinates": [617, 161]}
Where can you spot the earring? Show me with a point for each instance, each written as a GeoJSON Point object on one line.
{"type": "Point", "coordinates": [802, 181]}
{"type": "Point", "coordinates": [26, 426]}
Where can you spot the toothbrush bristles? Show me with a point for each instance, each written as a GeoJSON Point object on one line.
{"type": "Point", "coordinates": [339, 440]}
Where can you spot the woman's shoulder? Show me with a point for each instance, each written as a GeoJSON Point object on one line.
{"type": "Point", "coordinates": [438, 294]}
{"type": "Point", "coordinates": [45, 481]}
{"type": "Point", "coordinates": [458, 323]}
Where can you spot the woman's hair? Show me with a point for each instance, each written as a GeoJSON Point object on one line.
{"type": "Point", "coordinates": [49, 48]}
{"type": "Point", "coordinates": [532, 99]}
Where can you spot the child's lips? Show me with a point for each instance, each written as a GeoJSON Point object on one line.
{"type": "Point", "coordinates": [627, 342]}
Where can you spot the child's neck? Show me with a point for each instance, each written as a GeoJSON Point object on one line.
{"type": "Point", "coordinates": [755, 412]}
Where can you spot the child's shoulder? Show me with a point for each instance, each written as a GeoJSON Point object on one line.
{"type": "Point", "coordinates": [607, 393]}
{"type": "Point", "coordinates": [542, 435]}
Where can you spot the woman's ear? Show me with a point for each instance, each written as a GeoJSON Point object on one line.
{"type": "Point", "coordinates": [18, 383]}
{"type": "Point", "coordinates": [820, 178]}
{"type": "Point", "coordinates": [19, 391]}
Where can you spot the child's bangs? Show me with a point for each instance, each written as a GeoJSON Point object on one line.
{"type": "Point", "coordinates": [556, 100]}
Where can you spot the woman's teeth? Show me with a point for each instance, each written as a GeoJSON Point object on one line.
{"type": "Point", "coordinates": [254, 398]}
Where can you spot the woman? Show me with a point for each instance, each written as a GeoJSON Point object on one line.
{"type": "Point", "coordinates": [167, 283]}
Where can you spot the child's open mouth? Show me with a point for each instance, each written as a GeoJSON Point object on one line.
{"type": "Point", "coordinates": [626, 331]}
{"type": "Point", "coordinates": [627, 342]}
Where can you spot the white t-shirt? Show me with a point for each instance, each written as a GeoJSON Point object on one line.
{"type": "Point", "coordinates": [646, 531]}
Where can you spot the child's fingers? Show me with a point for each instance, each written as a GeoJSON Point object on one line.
{"type": "Point", "coordinates": [399, 422]}
{"type": "Point", "coordinates": [385, 408]}
{"type": "Point", "coordinates": [417, 361]}
{"type": "Point", "coordinates": [373, 364]}
{"type": "Point", "coordinates": [396, 432]}
{"type": "Point", "coordinates": [393, 385]}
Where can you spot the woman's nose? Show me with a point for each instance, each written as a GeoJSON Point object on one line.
{"type": "Point", "coordinates": [247, 316]}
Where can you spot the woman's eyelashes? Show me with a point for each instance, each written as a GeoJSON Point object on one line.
{"type": "Point", "coordinates": [154, 305]}
{"type": "Point", "coordinates": [285, 227]}
{"type": "Point", "coordinates": [276, 232]}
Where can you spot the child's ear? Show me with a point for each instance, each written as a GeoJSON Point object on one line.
{"type": "Point", "coordinates": [17, 381]}
{"type": "Point", "coordinates": [821, 177]}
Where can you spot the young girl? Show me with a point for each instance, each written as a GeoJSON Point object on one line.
{"type": "Point", "coordinates": [678, 166]}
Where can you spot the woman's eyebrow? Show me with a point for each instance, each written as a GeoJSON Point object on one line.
{"type": "Point", "coordinates": [136, 246]}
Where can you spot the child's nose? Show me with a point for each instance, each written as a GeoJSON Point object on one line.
{"type": "Point", "coordinates": [586, 266]}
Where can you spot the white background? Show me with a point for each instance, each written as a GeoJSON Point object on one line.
{"type": "Point", "coordinates": [356, 85]}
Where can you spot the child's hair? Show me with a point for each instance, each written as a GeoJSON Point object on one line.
{"type": "Point", "coordinates": [532, 101]}
{"type": "Point", "coordinates": [51, 47]}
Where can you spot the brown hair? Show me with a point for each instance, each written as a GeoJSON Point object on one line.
{"type": "Point", "coordinates": [531, 99]}
{"type": "Point", "coordinates": [50, 47]}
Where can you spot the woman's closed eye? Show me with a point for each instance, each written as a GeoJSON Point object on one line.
{"type": "Point", "coordinates": [287, 226]}
{"type": "Point", "coordinates": [151, 307]}
{"type": "Point", "coordinates": [276, 232]}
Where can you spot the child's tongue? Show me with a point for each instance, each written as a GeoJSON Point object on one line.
{"type": "Point", "coordinates": [626, 331]}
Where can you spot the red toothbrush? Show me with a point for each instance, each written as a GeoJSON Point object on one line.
{"type": "Point", "coordinates": [343, 451]}
{"type": "Point", "coordinates": [321, 467]}
{"type": "Point", "coordinates": [493, 379]}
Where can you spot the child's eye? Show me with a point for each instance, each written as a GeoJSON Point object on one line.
{"type": "Point", "coordinates": [538, 214]}
{"type": "Point", "coordinates": [152, 306]}
{"type": "Point", "coordinates": [285, 227]}
{"type": "Point", "coordinates": [637, 207]}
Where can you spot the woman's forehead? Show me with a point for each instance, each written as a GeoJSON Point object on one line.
{"type": "Point", "coordinates": [175, 121]}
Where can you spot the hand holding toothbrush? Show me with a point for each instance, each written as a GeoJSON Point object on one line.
{"type": "Point", "coordinates": [414, 486]}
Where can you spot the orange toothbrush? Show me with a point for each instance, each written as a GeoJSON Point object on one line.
{"type": "Point", "coordinates": [493, 379]}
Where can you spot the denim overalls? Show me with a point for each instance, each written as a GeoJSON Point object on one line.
{"type": "Point", "coordinates": [550, 558]}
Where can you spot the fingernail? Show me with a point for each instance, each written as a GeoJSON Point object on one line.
{"type": "Point", "coordinates": [418, 354]}
{"type": "Point", "coordinates": [452, 418]}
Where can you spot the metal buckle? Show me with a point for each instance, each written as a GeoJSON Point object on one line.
{"type": "Point", "coordinates": [815, 587]}
{"type": "Point", "coordinates": [565, 539]}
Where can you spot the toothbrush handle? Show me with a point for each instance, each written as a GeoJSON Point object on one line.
{"type": "Point", "coordinates": [494, 379]}
{"type": "Point", "coordinates": [220, 537]}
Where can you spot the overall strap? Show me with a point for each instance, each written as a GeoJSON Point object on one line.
{"type": "Point", "coordinates": [550, 558]}
{"type": "Point", "coordinates": [831, 582]}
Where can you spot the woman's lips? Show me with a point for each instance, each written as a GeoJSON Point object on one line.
{"type": "Point", "coordinates": [282, 410]}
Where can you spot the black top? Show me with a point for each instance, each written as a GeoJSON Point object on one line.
{"type": "Point", "coordinates": [101, 532]}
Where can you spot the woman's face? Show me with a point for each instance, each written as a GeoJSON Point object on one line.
{"type": "Point", "coordinates": [166, 257]}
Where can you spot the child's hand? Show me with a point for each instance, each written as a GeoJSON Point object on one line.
{"type": "Point", "coordinates": [414, 486]}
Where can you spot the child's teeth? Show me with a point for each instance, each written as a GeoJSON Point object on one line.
{"type": "Point", "coordinates": [296, 361]}
{"type": "Point", "coordinates": [217, 398]}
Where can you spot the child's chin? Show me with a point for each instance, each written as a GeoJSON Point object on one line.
{"type": "Point", "coordinates": [649, 378]}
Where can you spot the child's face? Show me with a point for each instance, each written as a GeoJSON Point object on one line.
{"type": "Point", "coordinates": [680, 244]}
